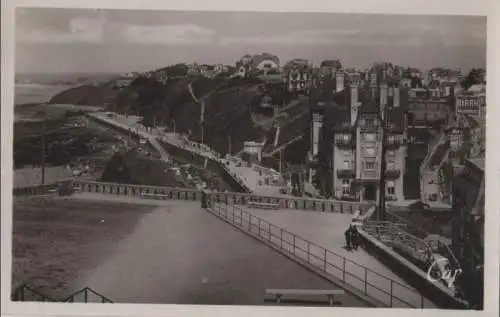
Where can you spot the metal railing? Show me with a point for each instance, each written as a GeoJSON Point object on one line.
{"type": "Point", "coordinates": [27, 293]}
{"type": "Point", "coordinates": [370, 283]}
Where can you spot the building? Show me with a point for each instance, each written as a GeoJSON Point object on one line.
{"type": "Point", "coordinates": [472, 101]}
{"type": "Point", "coordinates": [428, 105]}
{"type": "Point", "coordinates": [329, 68]}
{"type": "Point", "coordinates": [468, 229]}
{"type": "Point", "coordinates": [350, 146]}
{"type": "Point", "coordinates": [265, 62]}
{"type": "Point", "coordinates": [298, 76]}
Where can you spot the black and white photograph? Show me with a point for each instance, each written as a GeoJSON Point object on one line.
{"type": "Point", "coordinates": [242, 158]}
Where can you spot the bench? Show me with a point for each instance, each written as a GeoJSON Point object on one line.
{"type": "Point", "coordinates": [278, 294]}
{"type": "Point", "coordinates": [254, 204]}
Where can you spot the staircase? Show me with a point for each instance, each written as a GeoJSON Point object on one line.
{"type": "Point", "coordinates": [429, 170]}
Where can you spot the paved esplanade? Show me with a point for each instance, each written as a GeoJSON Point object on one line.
{"type": "Point", "coordinates": [327, 230]}
{"type": "Point", "coordinates": [182, 254]}
{"type": "Point", "coordinates": [249, 176]}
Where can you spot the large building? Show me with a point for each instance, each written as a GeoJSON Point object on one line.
{"type": "Point", "coordinates": [350, 147]}
{"type": "Point", "coordinates": [468, 228]}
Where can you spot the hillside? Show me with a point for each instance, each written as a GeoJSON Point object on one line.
{"type": "Point", "coordinates": [233, 112]}
{"type": "Point", "coordinates": [86, 95]}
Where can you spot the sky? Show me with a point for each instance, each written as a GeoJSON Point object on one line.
{"type": "Point", "coordinates": [52, 40]}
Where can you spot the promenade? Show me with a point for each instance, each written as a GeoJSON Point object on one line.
{"type": "Point", "coordinates": [179, 253]}
{"type": "Point", "coordinates": [327, 230]}
{"type": "Point", "coordinates": [252, 177]}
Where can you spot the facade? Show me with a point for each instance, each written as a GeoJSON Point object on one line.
{"type": "Point", "coordinates": [298, 76]}
{"type": "Point", "coordinates": [468, 229]}
{"type": "Point", "coordinates": [353, 125]}
{"type": "Point", "coordinates": [427, 105]}
{"type": "Point", "coordinates": [471, 102]}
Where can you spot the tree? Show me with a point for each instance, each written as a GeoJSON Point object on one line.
{"type": "Point", "coordinates": [473, 78]}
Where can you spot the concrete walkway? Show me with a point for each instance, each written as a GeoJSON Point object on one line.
{"type": "Point", "coordinates": [181, 254]}
{"type": "Point", "coordinates": [327, 231]}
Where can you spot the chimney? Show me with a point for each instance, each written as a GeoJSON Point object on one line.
{"type": "Point", "coordinates": [396, 97]}
{"type": "Point", "coordinates": [383, 98]}
{"type": "Point", "coordinates": [339, 81]}
{"type": "Point", "coordinates": [354, 103]}
{"type": "Point", "coordinates": [383, 94]}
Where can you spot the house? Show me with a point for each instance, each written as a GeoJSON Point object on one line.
{"type": "Point", "coordinates": [350, 143]}
{"type": "Point", "coordinates": [298, 76]}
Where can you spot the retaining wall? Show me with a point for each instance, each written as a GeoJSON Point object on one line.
{"type": "Point", "coordinates": [441, 296]}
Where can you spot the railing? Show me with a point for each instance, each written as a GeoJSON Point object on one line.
{"type": "Point", "coordinates": [322, 205]}
{"type": "Point", "coordinates": [88, 294]}
{"type": "Point", "coordinates": [332, 265]}
{"type": "Point", "coordinates": [27, 293]}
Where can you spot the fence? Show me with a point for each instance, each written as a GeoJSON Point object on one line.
{"type": "Point", "coordinates": [27, 293]}
{"type": "Point", "coordinates": [370, 283]}
{"type": "Point", "coordinates": [157, 192]}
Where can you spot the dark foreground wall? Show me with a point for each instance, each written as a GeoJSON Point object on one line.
{"type": "Point", "coordinates": [410, 273]}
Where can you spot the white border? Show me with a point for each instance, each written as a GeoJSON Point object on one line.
{"type": "Point", "coordinates": [489, 8]}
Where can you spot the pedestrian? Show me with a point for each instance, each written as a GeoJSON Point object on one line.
{"type": "Point", "coordinates": [354, 237]}
{"type": "Point", "coordinates": [347, 234]}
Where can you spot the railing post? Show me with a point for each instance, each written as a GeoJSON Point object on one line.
{"type": "Point", "coordinates": [343, 269]}
{"type": "Point", "coordinates": [366, 281]}
{"type": "Point", "coordinates": [86, 295]}
{"type": "Point", "coordinates": [391, 294]}
{"type": "Point", "coordinates": [308, 252]}
{"type": "Point", "coordinates": [269, 233]}
{"type": "Point", "coordinates": [250, 222]}
{"type": "Point", "coordinates": [421, 301]}
{"type": "Point", "coordinates": [293, 244]}
{"type": "Point", "coordinates": [281, 238]}
{"type": "Point", "coordinates": [259, 226]}
{"type": "Point", "coordinates": [324, 264]}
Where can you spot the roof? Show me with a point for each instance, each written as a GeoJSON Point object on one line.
{"type": "Point", "coordinates": [259, 58]}
{"type": "Point", "coordinates": [338, 112]}
{"type": "Point", "coordinates": [331, 63]}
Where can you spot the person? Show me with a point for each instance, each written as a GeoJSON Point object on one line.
{"type": "Point", "coordinates": [347, 234]}
{"type": "Point", "coordinates": [354, 237]}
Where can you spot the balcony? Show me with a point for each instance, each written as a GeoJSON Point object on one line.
{"type": "Point", "coordinates": [394, 143]}
{"type": "Point", "coordinates": [346, 173]}
{"type": "Point", "coordinates": [392, 173]}
{"type": "Point", "coordinates": [345, 143]}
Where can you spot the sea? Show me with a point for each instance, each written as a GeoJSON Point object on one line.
{"type": "Point", "coordinates": [36, 93]}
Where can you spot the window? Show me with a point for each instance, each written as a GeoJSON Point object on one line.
{"type": "Point", "coordinates": [370, 165]}
{"type": "Point", "coordinates": [391, 153]}
{"type": "Point", "coordinates": [370, 122]}
{"type": "Point", "coordinates": [390, 188]}
{"type": "Point", "coordinates": [346, 153]}
{"type": "Point", "coordinates": [345, 187]}
{"type": "Point", "coordinates": [370, 137]}
{"type": "Point", "coordinates": [370, 151]}
{"type": "Point", "coordinates": [347, 164]}
{"type": "Point", "coordinates": [391, 165]}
